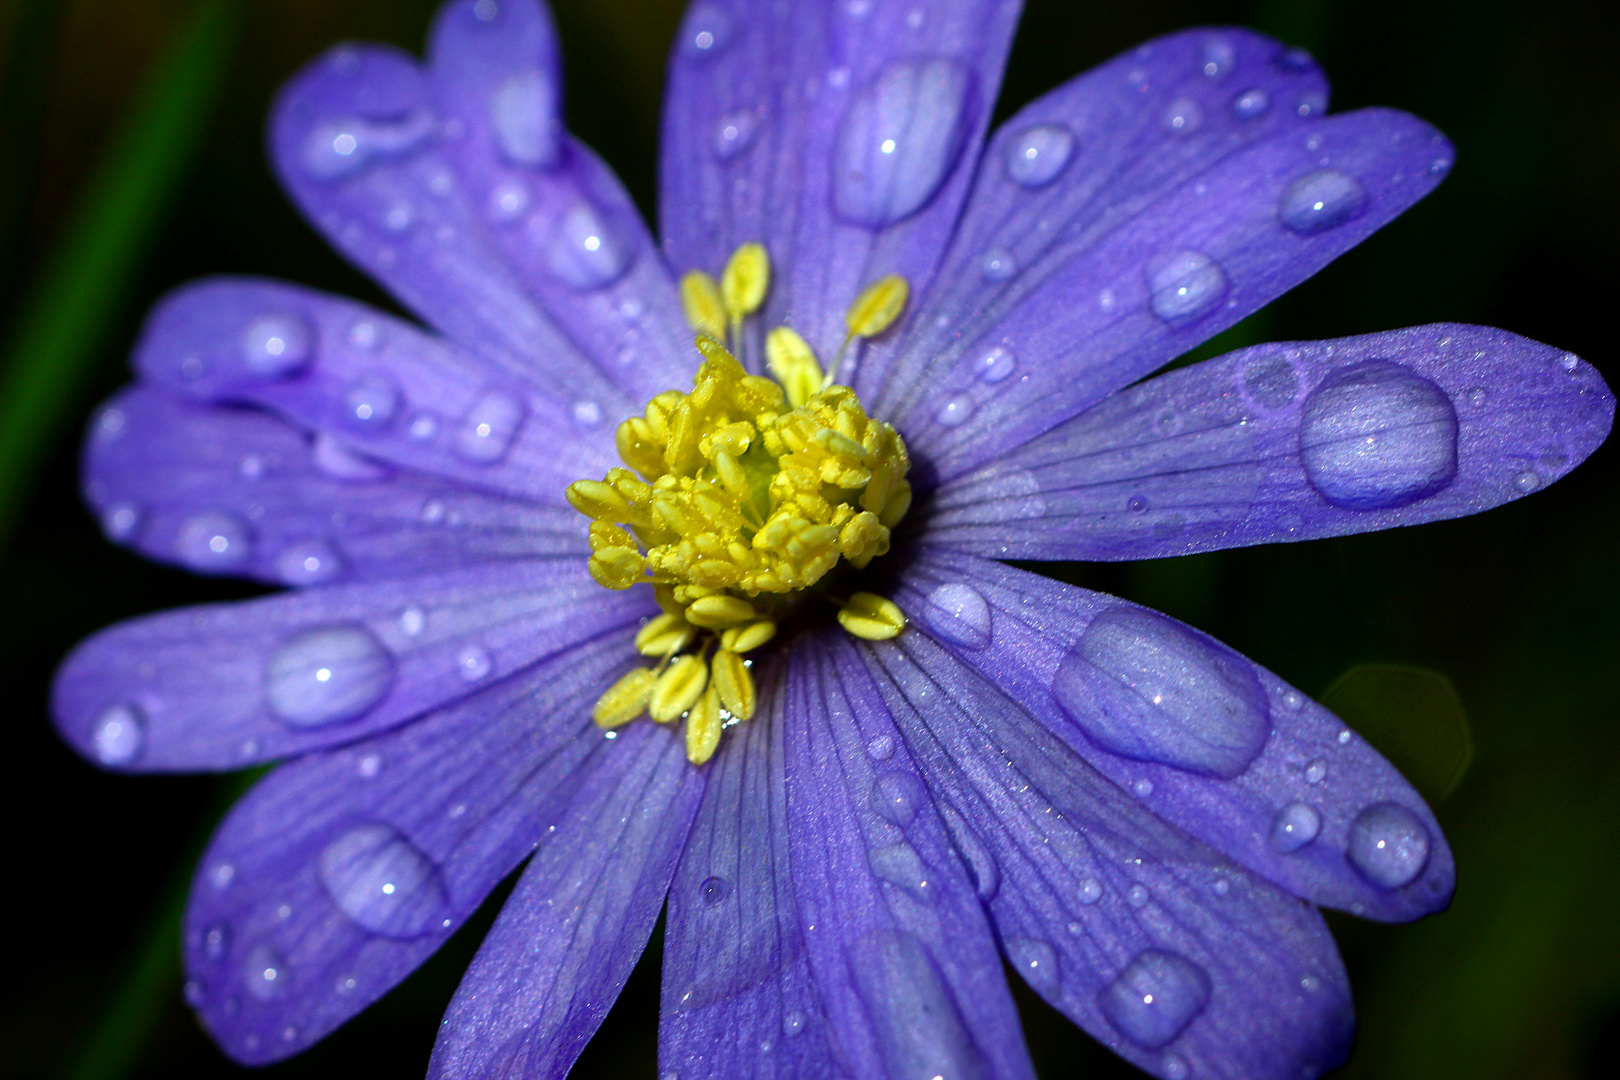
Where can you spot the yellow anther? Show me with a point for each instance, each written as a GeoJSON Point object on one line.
{"type": "Point", "coordinates": [741, 639]}
{"type": "Point", "coordinates": [835, 442]}
{"type": "Point", "coordinates": [678, 688]}
{"type": "Point", "coordinates": [896, 507]}
{"type": "Point", "coordinates": [705, 309]}
{"type": "Point", "coordinates": [731, 678]}
{"type": "Point", "coordinates": [604, 535]}
{"type": "Point", "coordinates": [703, 728]}
{"type": "Point", "coordinates": [595, 499]}
{"type": "Point", "coordinates": [794, 364]}
{"type": "Point", "coordinates": [625, 700]}
{"type": "Point", "coordinates": [870, 616]}
{"type": "Point", "coordinates": [617, 567]}
{"type": "Point", "coordinates": [664, 635]}
{"type": "Point", "coordinates": [878, 305]}
{"type": "Point", "coordinates": [746, 278]}
{"type": "Point", "coordinates": [720, 610]}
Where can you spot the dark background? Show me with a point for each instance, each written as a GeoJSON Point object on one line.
{"type": "Point", "coordinates": [1517, 609]}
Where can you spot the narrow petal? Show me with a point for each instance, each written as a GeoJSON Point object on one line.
{"type": "Point", "coordinates": [842, 136]}
{"type": "Point", "coordinates": [1102, 907]}
{"type": "Point", "coordinates": [739, 998]}
{"type": "Point", "coordinates": [896, 936]}
{"type": "Point", "coordinates": [1191, 263]}
{"type": "Point", "coordinates": [1288, 442]}
{"type": "Point", "coordinates": [579, 919]}
{"type": "Point", "coordinates": [374, 383]}
{"type": "Point", "coordinates": [1080, 162]}
{"type": "Point", "coordinates": [226, 685]}
{"type": "Point", "coordinates": [358, 142]}
{"type": "Point", "coordinates": [341, 872]}
{"type": "Point", "coordinates": [239, 491]}
{"type": "Point", "coordinates": [1209, 741]}
{"type": "Point", "coordinates": [556, 212]}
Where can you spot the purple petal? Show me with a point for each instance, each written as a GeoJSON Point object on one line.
{"type": "Point", "coordinates": [1175, 958]}
{"type": "Point", "coordinates": [358, 142]}
{"type": "Point", "coordinates": [1211, 742]}
{"type": "Point", "coordinates": [896, 937]}
{"type": "Point", "coordinates": [377, 384]}
{"type": "Point", "coordinates": [341, 872]}
{"type": "Point", "coordinates": [236, 491]}
{"type": "Point", "coordinates": [739, 999]}
{"type": "Point", "coordinates": [1191, 263]}
{"type": "Point", "coordinates": [557, 214]}
{"type": "Point", "coordinates": [1288, 442]}
{"type": "Point", "coordinates": [842, 136]}
{"type": "Point", "coordinates": [226, 685]}
{"type": "Point", "coordinates": [579, 919]}
{"type": "Point", "coordinates": [1081, 162]}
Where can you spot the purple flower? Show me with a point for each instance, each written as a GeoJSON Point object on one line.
{"type": "Point", "coordinates": [913, 760]}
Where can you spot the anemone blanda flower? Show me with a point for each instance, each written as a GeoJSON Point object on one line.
{"type": "Point", "coordinates": [911, 760]}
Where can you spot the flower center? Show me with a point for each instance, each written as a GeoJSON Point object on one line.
{"type": "Point", "coordinates": [739, 497]}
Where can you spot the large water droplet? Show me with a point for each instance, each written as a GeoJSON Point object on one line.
{"type": "Point", "coordinates": [326, 675]}
{"type": "Point", "coordinates": [1144, 686]}
{"type": "Point", "coordinates": [489, 427]}
{"type": "Point", "coordinates": [995, 366]}
{"type": "Point", "coordinates": [384, 882]}
{"type": "Point", "coordinates": [1388, 845]}
{"type": "Point", "coordinates": [1037, 155]}
{"type": "Point", "coordinates": [118, 734]}
{"type": "Point", "coordinates": [1295, 826]}
{"type": "Point", "coordinates": [734, 133]}
{"type": "Point", "coordinates": [899, 140]}
{"type": "Point", "coordinates": [955, 411]}
{"type": "Point", "coordinates": [264, 973]}
{"type": "Point", "coordinates": [1376, 435]}
{"type": "Point", "coordinates": [276, 346]}
{"type": "Point", "coordinates": [523, 112]}
{"type": "Point", "coordinates": [586, 251]}
{"type": "Point", "coordinates": [707, 32]}
{"type": "Point", "coordinates": [1155, 997]}
{"type": "Point", "coordinates": [1037, 962]}
{"type": "Point", "coordinates": [371, 403]}
{"type": "Point", "coordinates": [901, 866]}
{"type": "Point", "coordinates": [1320, 201]}
{"type": "Point", "coordinates": [214, 542]}
{"type": "Point", "coordinates": [308, 562]}
{"type": "Point", "coordinates": [958, 613]}
{"type": "Point", "coordinates": [1089, 891]}
{"type": "Point", "coordinates": [916, 1022]}
{"type": "Point", "coordinates": [897, 796]}
{"type": "Point", "coordinates": [1185, 285]}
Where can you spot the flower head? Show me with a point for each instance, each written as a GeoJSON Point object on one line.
{"type": "Point", "coordinates": [874, 761]}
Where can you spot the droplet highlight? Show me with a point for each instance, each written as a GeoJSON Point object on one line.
{"type": "Point", "coordinates": [1296, 825]}
{"type": "Point", "coordinates": [383, 882]}
{"type": "Point", "coordinates": [897, 796]}
{"type": "Point", "coordinates": [1185, 286]}
{"type": "Point", "coordinates": [1388, 845]}
{"type": "Point", "coordinates": [327, 675]}
{"type": "Point", "coordinates": [899, 140]}
{"type": "Point", "coordinates": [487, 431]}
{"type": "Point", "coordinates": [1037, 962]}
{"type": "Point", "coordinates": [1320, 201]}
{"type": "Point", "coordinates": [1038, 155]}
{"type": "Point", "coordinates": [1154, 999]}
{"type": "Point", "coordinates": [1376, 435]}
{"type": "Point", "coordinates": [214, 542]}
{"type": "Point", "coordinates": [276, 346]}
{"type": "Point", "coordinates": [959, 614]}
{"type": "Point", "coordinates": [118, 735]}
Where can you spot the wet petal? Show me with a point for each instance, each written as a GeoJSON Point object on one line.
{"type": "Point", "coordinates": [1288, 442]}
{"type": "Point", "coordinates": [578, 920]}
{"type": "Point", "coordinates": [227, 685]}
{"type": "Point", "coordinates": [1209, 741]}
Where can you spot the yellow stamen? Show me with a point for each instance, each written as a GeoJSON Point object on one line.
{"type": "Point", "coordinates": [736, 686]}
{"type": "Point", "coordinates": [625, 700]}
{"type": "Point", "coordinates": [720, 611]}
{"type": "Point", "coordinates": [704, 306]}
{"type": "Point", "coordinates": [678, 688]}
{"type": "Point", "coordinates": [743, 639]}
{"type": "Point", "coordinates": [794, 364]}
{"type": "Point", "coordinates": [870, 616]}
{"type": "Point", "coordinates": [664, 635]}
{"type": "Point", "coordinates": [878, 305]}
{"type": "Point", "coordinates": [746, 278]}
{"type": "Point", "coordinates": [703, 728]}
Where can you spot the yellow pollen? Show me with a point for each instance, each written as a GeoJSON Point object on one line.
{"type": "Point", "coordinates": [737, 496]}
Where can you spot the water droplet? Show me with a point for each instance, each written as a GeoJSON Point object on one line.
{"type": "Point", "coordinates": [1221, 886]}
{"type": "Point", "coordinates": [1388, 845]}
{"type": "Point", "coordinates": [958, 613]}
{"type": "Point", "coordinates": [794, 1022]}
{"type": "Point", "coordinates": [486, 10]}
{"type": "Point", "coordinates": [1037, 155]}
{"type": "Point", "coordinates": [433, 512]}
{"type": "Point", "coordinates": [1250, 104]}
{"type": "Point", "coordinates": [399, 217]}
{"type": "Point", "coordinates": [734, 133]}
{"type": "Point", "coordinates": [370, 403]}
{"type": "Point", "coordinates": [1143, 788]}
{"type": "Point", "coordinates": [1183, 116]}
{"type": "Point", "coordinates": [1219, 57]}
{"type": "Point", "coordinates": [1271, 382]}
{"type": "Point", "coordinates": [1320, 201]}
{"type": "Point", "coordinates": [370, 765]}
{"type": "Point", "coordinates": [708, 31]}
{"type": "Point", "coordinates": [713, 890]}
{"type": "Point", "coordinates": [1155, 997]}
{"type": "Point", "coordinates": [1185, 286]}
{"type": "Point", "coordinates": [193, 993]}
{"type": "Point", "coordinates": [995, 366]}
{"type": "Point", "coordinates": [999, 265]}
{"type": "Point", "coordinates": [1089, 891]}
{"type": "Point", "coordinates": [899, 140]}
{"type": "Point", "coordinates": [1375, 435]}
{"type": "Point", "coordinates": [216, 941]}
{"type": "Point", "coordinates": [411, 621]}
{"type": "Point", "coordinates": [327, 674]}
{"type": "Point", "coordinates": [276, 346]}
{"type": "Point", "coordinates": [1439, 165]}
{"type": "Point", "coordinates": [1175, 1068]}
{"type": "Point", "coordinates": [585, 251]}
{"type": "Point", "coordinates": [335, 459]}
{"type": "Point", "coordinates": [120, 520]}
{"type": "Point", "coordinates": [881, 747]}
{"type": "Point", "coordinates": [1144, 686]}
{"type": "Point", "coordinates": [508, 201]}
{"type": "Point", "coordinates": [523, 112]}
{"type": "Point", "coordinates": [487, 431]}
{"type": "Point", "coordinates": [1037, 962]}
{"type": "Point", "coordinates": [1293, 700]}
{"type": "Point", "coordinates": [955, 411]}
{"type": "Point", "coordinates": [1311, 103]}
{"type": "Point", "coordinates": [1345, 736]}
{"type": "Point", "coordinates": [901, 866]}
{"type": "Point", "coordinates": [118, 735]}
{"type": "Point", "coordinates": [473, 663]}
{"type": "Point", "coordinates": [1315, 771]}
{"type": "Point", "coordinates": [1136, 504]}
{"type": "Point", "coordinates": [897, 796]}
{"type": "Point", "coordinates": [1476, 396]}
{"type": "Point", "coordinates": [222, 875]}
{"type": "Point", "coordinates": [1527, 481]}
{"type": "Point", "coordinates": [264, 973]}
{"type": "Point", "coordinates": [289, 1034]}
{"type": "Point", "coordinates": [1296, 825]}
{"type": "Point", "coordinates": [214, 542]}
{"type": "Point", "coordinates": [383, 882]}
{"type": "Point", "coordinates": [308, 562]}
{"type": "Point", "coordinates": [1137, 895]}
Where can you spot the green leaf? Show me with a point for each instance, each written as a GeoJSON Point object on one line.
{"type": "Point", "coordinates": [1413, 717]}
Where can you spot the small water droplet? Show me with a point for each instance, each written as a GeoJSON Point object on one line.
{"type": "Point", "coordinates": [959, 614]}
{"type": "Point", "coordinates": [1137, 895]}
{"type": "Point", "coordinates": [1476, 396]}
{"type": "Point", "coordinates": [214, 542]}
{"type": "Point", "coordinates": [794, 1022]}
{"type": "Point", "coordinates": [1311, 103]}
{"type": "Point", "coordinates": [881, 747]}
{"type": "Point", "coordinates": [216, 942]}
{"type": "Point", "coordinates": [473, 663]}
{"type": "Point", "coordinates": [708, 31]}
{"type": "Point", "coordinates": [1527, 481]}
{"type": "Point", "coordinates": [1175, 1068]}
{"type": "Point", "coordinates": [433, 512]}
{"type": "Point", "coordinates": [1037, 962]}
{"type": "Point", "coordinates": [383, 882]}
{"type": "Point", "coordinates": [1221, 886]}
{"type": "Point", "coordinates": [486, 10]}
{"type": "Point", "coordinates": [1250, 104]}
{"type": "Point", "coordinates": [523, 112]}
{"type": "Point", "coordinates": [1183, 116]}
{"type": "Point", "coordinates": [1296, 825]}
{"type": "Point", "coordinates": [327, 674]}
{"type": "Point", "coordinates": [508, 201]}
{"type": "Point", "coordinates": [222, 875]}
{"type": "Point", "coordinates": [276, 346]}
{"type": "Point", "coordinates": [193, 993]}
{"type": "Point", "coordinates": [995, 366]}
{"type": "Point", "coordinates": [371, 403]}
{"type": "Point", "coordinates": [1143, 788]}
{"type": "Point", "coordinates": [586, 250]}
{"type": "Point", "coordinates": [487, 431]}
{"type": "Point", "coordinates": [1388, 845]}
{"type": "Point", "coordinates": [411, 621]}
{"type": "Point", "coordinates": [734, 133]}
{"type": "Point", "coordinates": [335, 459]}
{"type": "Point", "coordinates": [713, 890]}
{"type": "Point", "coordinates": [1156, 997]}
{"type": "Point", "coordinates": [1219, 57]}
{"type": "Point", "coordinates": [899, 139]}
{"type": "Point", "coordinates": [1185, 286]}
{"type": "Point", "coordinates": [1136, 504]}
{"type": "Point", "coordinates": [1320, 201]}
{"type": "Point", "coordinates": [1376, 435]}
{"type": "Point", "coordinates": [264, 973]}
{"type": "Point", "coordinates": [370, 765]}
{"type": "Point", "coordinates": [1345, 736]}
{"type": "Point", "coordinates": [1038, 155]}
{"type": "Point", "coordinates": [1293, 700]}
{"type": "Point", "coordinates": [897, 796]}
{"type": "Point", "coordinates": [1089, 891]}
{"type": "Point", "coordinates": [1315, 771]}
{"type": "Point", "coordinates": [999, 265]}
{"type": "Point", "coordinates": [120, 520]}
{"type": "Point", "coordinates": [1439, 165]}
{"type": "Point", "coordinates": [955, 411]}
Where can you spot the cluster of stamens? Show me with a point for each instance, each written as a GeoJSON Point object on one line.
{"type": "Point", "coordinates": [740, 496]}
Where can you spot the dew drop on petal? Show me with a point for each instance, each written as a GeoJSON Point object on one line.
{"type": "Point", "coordinates": [1296, 825]}
{"type": "Point", "coordinates": [1527, 481]}
{"type": "Point", "coordinates": [1388, 845]}
{"type": "Point", "coordinates": [1320, 201]}
{"type": "Point", "coordinates": [954, 411]}
{"type": "Point", "coordinates": [487, 431]}
{"type": "Point", "coordinates": [734, 132]}
{"type": "Point", "coordinates": [1311, 103]}
{"type": "Point", "coordinates": [881, 747]}
{"type": "Point", "coordinates": [1376, 435]}
{"type": "Point", "coordinates": [899, 140]}
{"type": "Point", "coordinates": [995, 366]}
{"type": "Point", "coordinates": [1315, 771]}
{"type": "Point", "coordinates": [411, 621]}
{"type": "Point", "coordinates": [370, 403]}
{"type": "Point", "coordinates": [308, 562]}
{"type": "Point", "coordinates": [586, 250]}
{"type": "Point", "coordinates": [958, 613]}
{"type": "Point", "coordinates": [1155, 997]}
{"type": "Point", "coordinates": [1137, 895]}
{"type": "Point", "coordinates": [118, 734]}
{"type": "Point", "coordinates": [120, 520]}
{"type": "Point", "coordinates": [276, 346]}
{"type": "Point", "coordinates": [1251, 104]}
{"type": "Point", "coordinates": [713, 891]}
{"type": "Point", "coordinates": [1089, 891]}
{"type": "Point", "coordinates": [327, 674]}
{"type": "Point", "coordinates": [897, 796]}
{"type": "Point", "coordinates": [794, 1022]}
{"type": "Point", "coordinates": [383, 882]}
{"type": "Point", "coordinates": [1038, 155]}
{"type": "Point", "coordinates": [707, 32]}
{"type": "Point", "coordinates": [999, 265]}
{"type": "Point", "coordinates": [214, 542]}
{"type": "Point", "coordinates": [1218, 57]}
{"type": "Point", "coordinates": [523, 113]}
{"type": "Point", "coordinates": [1037, 962]}
{"type": "Point", "coordinates": [264, 973]}
{"type": "Point", "coordinates": [1183, 116]}
{"type": "Point", "coordinates": [473, 663]}
{"type": "Point", "coordinates": [1185, 286]}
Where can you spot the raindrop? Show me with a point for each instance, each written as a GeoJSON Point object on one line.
{"type": "Point", "coordinates": [587, 414]}
{"type": "Point", "coordinates": [1037, 155]}
{"type": "Point", "coordinates": [585, 251]}
{"type": "Point", "coordinates": [899, 140]}
{"type": "Point", "coordinates": [1296, 825]}
{"type": "Point", "coordinates": [264, 973]}
{"type": "Point", "coordinates": [881, 747]}
{"type": "Point", "coordinates": [1143, 788]}
{"type": "Point", "coordinates": [489, 427]}
{"type": "Point", "coordinates": [1250, 104]}
{"type": "Point", "coordinates": [120, 520]}
{"type": "Point", "coordinates": [222, 876]}
{"type": "Point", "coordinates": [1183, 116]}
{"type": "Point", "coordinates": [1388, 845]}
{"type": "Point", "coordinates": [523, 112]}
{"type": "Point", "coordinates": [1476, 396]}
{"type": "Point", "coordinates": [118, 735]}
{"type": "Point", "coordinates": [708, 31]}
{"type": "Point", "coordinates": [1320, 201]}
{"type": "Point", "coordinates": [1345, 736]}
{"type": "Point", "coordinates": [251, 467]}
{"type": "Point", "coordinates": [508, 201]}
{"type": "Point", "coordinates": [1219, 57]}
{"type": "Point", "coordinates": [422, 428]}
{"type": "Point", "coordinates": [999, 265]}
{"type": "Point", "coordinates": [1175, 1067]}
{"type": "Point", "coordinates": [1569, 362]}
{"type": "Point", "coordinates": [371, 403]}
{"type": "Point", "coordinates": [1136, 504]}
{"type": "Point", "coordinates": [1185, 286]}
{"type": "Point", "coordinates": [1089, 891]}
{"type": "Point", "coordinates": [411, 621]}
{"type": "Point", "coordinates": [327, 674]}
{"type": "Point", "coordinates": [734, 133]}
{"type": "Point", "coordinates": [1155, 997]}
{"type": "Point", "coordinates": [794, 1022]}
{"type": "Point", "coordinates": [399, 217]}
{"type": "Point", "coordinates": [310, 562]}
{"type": "Point", "coordinates": [901, 866]}
{"type": "Point", "coordinates": [954, 411]}
{"type": "Point", "coordinates": [713, 890]}
{"type": "Point", "coordinates": [337, 460]}
{"type": "Point", "coordinates": [1376, 435]}
{"type": "Point", "coordinates": [276, 346]}
{"type": "Point", "coordinates": [363, 335]}
{"type": "Point", "coordinates": [1137, 895]}
{"type": "Point", "coordinates": [216, 941]}
{"type": "Point", "coordinates": [473, 663]}
{"type": "Point", "coordinates": [1311, 103]}
{"type": "Point", "coordinates": [214, 542]}
{"type": "Point", "coordinates": [958, 613]}
{"type": "Point", "coordinates": [1316, 771]}
{"type": "Point", "coordinates": [1293, 700]}
{"type": "Point", "coordinates": [1439, 165]}
{"type": "Point", "coordinates": [1037, 962]}
{"type": "Point", "coordinates": [897, 796]}
{"type": "Point", "coordinates": [383, 882]}
{"type": "Point", "coordinates": [995, 366]}
{"type": "Point", "coordinates": [1527, 481]}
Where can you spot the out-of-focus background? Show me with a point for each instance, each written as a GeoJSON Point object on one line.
{"type": "Point", "coordinates": [1480, 654]}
